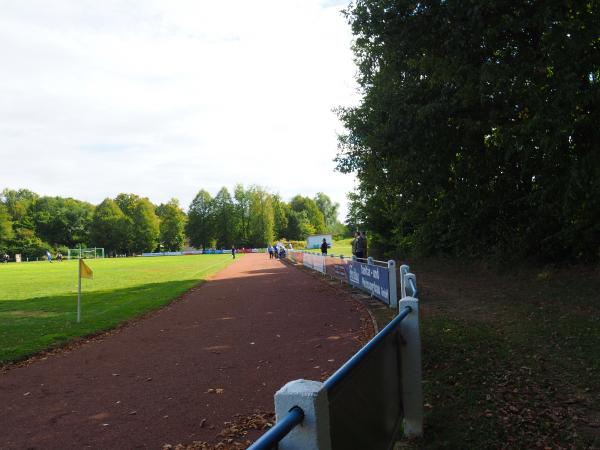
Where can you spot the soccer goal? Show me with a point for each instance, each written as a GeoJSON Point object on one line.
{"type": "Point", "coordinates": [86, 253]}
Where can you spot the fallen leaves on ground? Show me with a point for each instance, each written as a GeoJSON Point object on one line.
{"type": "Point", "coordinates": [233, 435]}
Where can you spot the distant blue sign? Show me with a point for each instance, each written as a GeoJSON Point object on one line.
{"type": "Point", "coordinates": [373, 279]}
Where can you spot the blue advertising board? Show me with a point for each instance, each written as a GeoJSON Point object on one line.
{"type": "Point", "coordinates": [373, 279]}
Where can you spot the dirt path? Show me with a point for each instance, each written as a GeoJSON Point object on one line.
{"type": "Point", "coordinates": [256, 325]}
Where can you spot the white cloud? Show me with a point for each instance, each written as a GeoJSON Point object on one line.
{"type": "Point", "coordinates": [163, 98]}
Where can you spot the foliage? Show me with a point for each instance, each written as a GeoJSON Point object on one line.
{"type": "Point", "coordinates": [60, 220]}
{"type": "Point", "coordinates": [6, 226]}
{"type": "Point", "coordinates": [130, 224]}
{"type": "Point", "coordinates": [27, 244]}
{"type": "Point", "coordinates": [110, 228]}
{"type": "Point", "coordinates": [480, 135]}
{"type": "Point", "coordinates": [242, 211]}
{"type": "Point", "coordinates": [281, 211]}
{"type": "Point", "coordinates": [172, 225]}
{"type": "Point", "coordinates": [260, 226]}
{"type": "Point", "coordinates": [329, 209]}
{"type": "Point", "coordinates": [225, 220]}
{"type": "Point", "coordinates": [312, 212]}
{"type": "Point", "coordinates": [146, 225]}
{"type": "Point", "coordinates": [200, 225]}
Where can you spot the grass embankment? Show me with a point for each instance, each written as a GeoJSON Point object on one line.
{"type": "Point", "coordinates": [510, 361]}
{"type": "Point", "coordinates": [38, 300]}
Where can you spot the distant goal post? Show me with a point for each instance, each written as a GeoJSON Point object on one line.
{"type": "Point", "coordinates": [86, 253]}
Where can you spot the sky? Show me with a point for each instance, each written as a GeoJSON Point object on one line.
{"type": "Point", "coordinates": [164, 98]}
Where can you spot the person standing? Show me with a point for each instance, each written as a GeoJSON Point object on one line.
{"type": "Point", "coordinates": [355, 244]}
{"type": "Point", "coordinates": [270, 249]}
{"type": "Point", "coordinates": [233, 251]}
{"type": "Point", "coordinates": [363, 243]}
{"type": "Point", "coordinates": [49, 256]}
{"type": "Point", "coordinates": [359, 245]}
{"type": "Point", "coordinates": [324, 247]}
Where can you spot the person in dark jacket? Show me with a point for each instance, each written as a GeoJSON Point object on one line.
{"type": "Point", "coordinates": [324, 248]}
{"type": "Point", "coordinates": [363, 244]}
{"type": "Point", "coordinates": [355, 244]}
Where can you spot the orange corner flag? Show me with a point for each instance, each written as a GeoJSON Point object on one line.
{"type": "Point", "coordinates": [85, 271]}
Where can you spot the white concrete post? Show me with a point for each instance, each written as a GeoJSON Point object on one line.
{"type": "Point", "coordinates": [412, 388]}
{"type": "Point", "coordinates": [313, 432]}
{"type": "Point", "coordinates": [393, 286]}
{"type": "Point", "coordinates": [404, 269]}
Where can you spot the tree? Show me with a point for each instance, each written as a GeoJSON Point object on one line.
{"type": "Point", "coordinates": [6, 226]}
{"type": "Point", "coordinates": [225, 219]}
{"type": "Point", "coordinates": [481, 134]}
{"type": "Point", "coordinates": [200, 225]}
{"type": "Point", "coordinates": [299, 227]}
{"type": "Point", "coordinates": [280, 216]}
{"type": "Point", "coordinates": [329, 210]}
{"type": "Point", "coordinates": [18, 203]}
{"type": "Point", "coordinates": [172, 225]}
{"type": "Point", "coordinates": [26, 243]}
{"type": "Point", "coordinates": [109, 228]}
{"type": "Point", "coordinates": [261, 220]}
{"type": "Point", "coordinates": [313, 213]}
{"type": "Point", "coordinates": [242, 209]}
{"type": "Point", "coordinates": [146, 226]}
{"type": "Point", "coordinates": [127, 203]}
{"type": "Point", "coordinates": [61, 221]}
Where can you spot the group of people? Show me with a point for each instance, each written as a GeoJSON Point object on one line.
{"type": "Point", "coordinates": [359, 245]}
{"type": "Point", "coordinates": [5, 258]}
{"type": "Point", "coordinates": [59, 256]}
{"type": "Point", "coordinates": [277, 250]}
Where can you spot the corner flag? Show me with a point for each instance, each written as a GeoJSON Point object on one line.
{"type": "Point", "coordinates": [85, 271]}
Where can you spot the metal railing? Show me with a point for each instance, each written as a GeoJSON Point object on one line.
{"type": "Point", "coordinates": [271, 438]}
{"type": "Point", "coordinates": [380, 386]}
{"type": "Point", "coordinates": [377, 278]}
{"type": "Point", "coordinates": [339, 374]}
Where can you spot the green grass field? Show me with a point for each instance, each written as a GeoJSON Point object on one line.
{"type": "Point", "coordinates": [38, 300]}
{"type": "Point", "coordinates": [341, 247]}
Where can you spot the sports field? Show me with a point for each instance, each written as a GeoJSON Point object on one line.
{"type": "Point", "coordinates": [341, 247]}
{"type": "Point", "coordinates": [38, 300]}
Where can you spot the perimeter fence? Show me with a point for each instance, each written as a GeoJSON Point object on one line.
{"type": "Point", "coordinates": [378, 278]}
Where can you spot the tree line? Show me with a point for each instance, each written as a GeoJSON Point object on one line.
{"type": "Point", "coordinates": [481, 135]}
{"type": "Point", "coordinates": [129, 224]}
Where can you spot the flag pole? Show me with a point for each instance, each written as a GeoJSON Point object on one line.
{"type": "Point", "coordinates": [79, 287]}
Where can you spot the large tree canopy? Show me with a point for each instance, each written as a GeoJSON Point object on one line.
{"type": "Point", "coordinates": [200, 225]}
{"type": "Point", "coordinates": [172, 225]}
{"type": "Point", "coordinates": [130, 224]}
{"type": "Point", "coordinates": [478, 129]}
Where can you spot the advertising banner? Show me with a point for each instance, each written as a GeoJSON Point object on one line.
{"type": "Point", "coordinates": [337, 268]}
{"type": "Point", "coordinates": [308, 260]}
{"type": "Point", "coordinates": [315, 262]}
{"type": "Point", "coordinates": [373, 279]}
